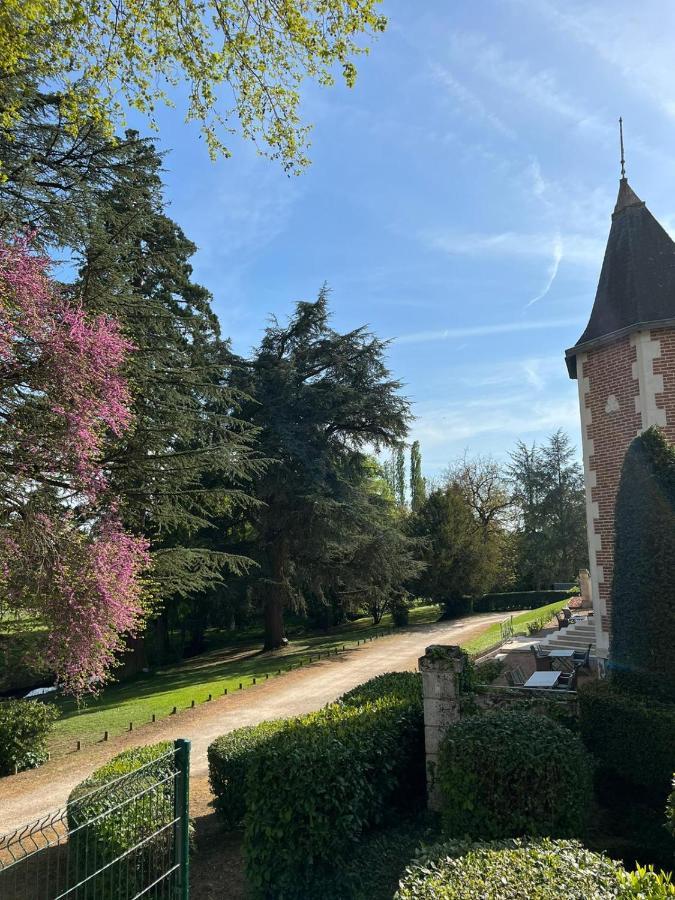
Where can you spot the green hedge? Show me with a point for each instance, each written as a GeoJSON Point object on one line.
{"type": "Point", "coordinates": [25, 726]}
{"type": "Point", "coordinates": [509, 774]}
{"type": "Point", "coordinates": [97, 839]}
{"type": "Point", "coordinates": [643, 583]}
{"type": "Point", "coordinates": [229, 759]}
{"type": "Point", "coordinates": [517, 600]}
{"type": "Point", "coordinates": [322, 781]}
{"type": "Point", "coordinates": [511, 870]}
{"type": "Point", "coordinates": [392, 685]}
{"type": "Point", "coordinates": [631, 736]}
{"type": "Point", "coordinates": [670, 810]}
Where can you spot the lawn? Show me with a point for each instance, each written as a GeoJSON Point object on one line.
{"type": "Point", "coordinates": [222, 668]}
{"type": "Point", "coordinates": [226, 667]}
{"type": "Point", "coordinates": [490, 637]}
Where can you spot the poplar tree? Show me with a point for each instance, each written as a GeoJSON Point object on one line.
{"type": "Point", "coordinates": [418, 487]}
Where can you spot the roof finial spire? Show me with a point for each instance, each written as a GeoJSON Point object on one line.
{"type": "Point", "coordinates": [623, 161]}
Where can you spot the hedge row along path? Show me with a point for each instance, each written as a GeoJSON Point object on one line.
{"type": "Point", "coordinates": [34, 793]}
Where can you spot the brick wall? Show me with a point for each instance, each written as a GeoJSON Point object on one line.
{"type": "Point", "coordinates": [624, 387]}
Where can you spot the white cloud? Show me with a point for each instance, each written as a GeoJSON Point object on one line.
{"type": "Point", "coordinates": [557, 255]}
{"type": "Point", "coordinates": [469, 101]}
{"type": "Point", "coordinates": [577, 248]}
{"type": "Point", "coordinates": [444, 334]}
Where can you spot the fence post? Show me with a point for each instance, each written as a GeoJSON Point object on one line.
{"type": "Point", "coordinates": [182, 816]}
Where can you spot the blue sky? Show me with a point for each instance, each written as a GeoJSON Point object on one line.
{"type": "Point", "coordinates": [458, 202]}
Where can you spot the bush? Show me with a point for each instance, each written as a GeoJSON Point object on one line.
{"type": "Point", "coordinates": [508, 774]}
{"type": "Point", "coordinates": [517, 600]}
{"type": "Point", "coordinates": [96, 839]}
{"type": "Point", "coordinates": [400, 613]}
{"type": "Point", "coordinates": [631, 736]}
{"type": "Point", "coordinates": [229, 760]}
{"type": "Point", "coordinates": [670, 810]}
{"type": "Point", "coordinates": [511, 870]}
{"type": "Point", "coordinates": [320, 782]}
{"type": "Point", "coordinates": [643, 583]}
{"type": "Point", "coordinates": [488, 671]}
{"type": "Point", "coordinates": [392, 685]}
{"type": "Point", "coordinates": [25, 726]}
{"type": "Point", "coordinates": [646, 884]}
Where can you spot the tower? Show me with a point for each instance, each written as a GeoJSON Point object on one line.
{"type": "Point", "coordinates": [624, 364]}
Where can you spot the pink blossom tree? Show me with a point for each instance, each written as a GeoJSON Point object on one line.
{"type": "Point", "coordinates": [64, 555]}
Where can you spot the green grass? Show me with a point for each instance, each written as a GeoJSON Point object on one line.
{"type": "Point", "coordinates": [491, 635]}
{"type": "Point", "coordinates": [210, 673]}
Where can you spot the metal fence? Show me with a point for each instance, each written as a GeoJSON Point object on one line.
{"type": "Point", "coordinates": [123, 840]}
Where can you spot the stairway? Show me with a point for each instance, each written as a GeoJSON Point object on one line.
{"type": "Point", "coordinates": [576, 636]}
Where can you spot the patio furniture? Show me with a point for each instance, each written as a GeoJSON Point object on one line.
{"type": "Point", "coordinates": [561, 620]}
{"type": "Point", "coordinates": [544, 680]}
{"type": "Point", "coordinates": [582, 658]}
{"type": "Point", "coordinates": [567, 681]}
{"type": "Point", "coordinates": [515, 677]}
{"type": "Point", "coordinates": [542, 662]}
{"type": "Point", "coordinates": [562, 660]}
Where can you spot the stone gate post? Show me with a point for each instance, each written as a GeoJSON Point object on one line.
{"type": "Point", "coordinates": [440, 667]}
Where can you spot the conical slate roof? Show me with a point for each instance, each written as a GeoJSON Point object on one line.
{"type": "Point", "coordinates": [637, 282]}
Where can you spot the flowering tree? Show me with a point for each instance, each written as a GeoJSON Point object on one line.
{"type": "Point", "coordinates": [64, 555]}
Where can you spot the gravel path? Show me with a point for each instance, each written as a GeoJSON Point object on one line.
{"type": "Point", "coordinates": [32, 794]}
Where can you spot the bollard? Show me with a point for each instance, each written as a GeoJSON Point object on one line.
{"type": "Point", "coordinates": [105, 735]}
{"type": "Point", "coordinates": [241, 686]}
{"type": "Point", "coordinates": [174, 711]}
{"type": "Point", "coordinates": [208, 698]}
{"type": "Point", "coordinates": [79, 745]}
{"type": "Point", "coordinates": [225, 692]}
{"type": "Point", "coordinates": [154, 717]}
{"type": "Point", "coordinates": [266, 676]}
{"type": "Point", "coordinates": [192, 705]}
{"type": "Point", "coordinates": [254, 681]}
{"type": "Point", "coordinates": [131, 726]}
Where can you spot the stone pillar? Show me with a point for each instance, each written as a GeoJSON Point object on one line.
{"type": "Point", "coordinates": [586, 588]}
{"type": "Point", "coordinates": [440, 667]}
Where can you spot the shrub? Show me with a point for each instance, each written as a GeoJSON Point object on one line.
{"type": "Point", "coordinates": [24, 728]}
{"type": "Point", "coordinates": [511, 870]}
{"type": "Point", "coordinates": [507, 774]}
{"type": "Point", "coordinates": [646, 884]}
{"type": "Point", "coordinates": [517, 600]}
{"type": "Point", "coordinates": [631, 736]}
{"type": "Point", "coordinates": [400, 612]}
{"type": "Point", "coordinates": [488, 671]}
{"type": "Point", "coordinates": [670, 810]}
{"type": "Point", "coordinates": [321, 781]}
{"type": "Point", "coordinates": [643, 583]}
{"type": "Point", "coordinates": [229, 760]}
{"type": "Point", "coordinates": [391, 685]}
{"type": "Point", "coordinates": [96, 839]}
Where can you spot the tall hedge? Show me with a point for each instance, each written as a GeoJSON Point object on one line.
{"type": "Point", "coordinates": [319, 783]}
{"type": "Point", "coordinates": [631, 736]}
{"type": "Point", "coordinates": [643, 586]}
{"type": "Point", "coordinates": [513, 600]}
{"type": "Point", "coordinates": [509, 774]}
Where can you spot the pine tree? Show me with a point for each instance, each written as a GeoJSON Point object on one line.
{"type": "Point", "coordinates": [399, 472]}
{"type": "Point", "coordinates": [319, 398]}
{"type": "Point", "coordinates": [188, 454]}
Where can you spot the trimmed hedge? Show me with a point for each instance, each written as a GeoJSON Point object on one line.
{"type": "Point", "coordinates": [509, 774]}
{"type": "Point", "coordinates": [643, 583]}
{"type": "Point", "coordinates": [229, 759]}
{"type": "Point", "coordinates": [392, 685]}
{"type": "Point", "coordinates": [25, 726]}
{"type": "Point", "coordinates": [511, 870]}
{"type": "Point", "coordinates": [517, 600]}
{"type": "Point", "coordinates": [97, 839]}
{"type": "Point", "coordinates": [631, 736]}
{"type": "Point", "coordinates": [321, 781]}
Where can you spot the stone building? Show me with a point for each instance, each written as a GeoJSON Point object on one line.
{"type": "Point", "coordinates": [624, 364]}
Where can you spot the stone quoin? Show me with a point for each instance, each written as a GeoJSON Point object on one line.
{"type": "Point", "coordinates": [624, 364]}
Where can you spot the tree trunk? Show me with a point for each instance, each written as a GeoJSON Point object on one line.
{"type": "Point", "coordinates": [275, 598]}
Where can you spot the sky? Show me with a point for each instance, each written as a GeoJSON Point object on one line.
{"type": "Point", "coordinates": [458, 203]}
